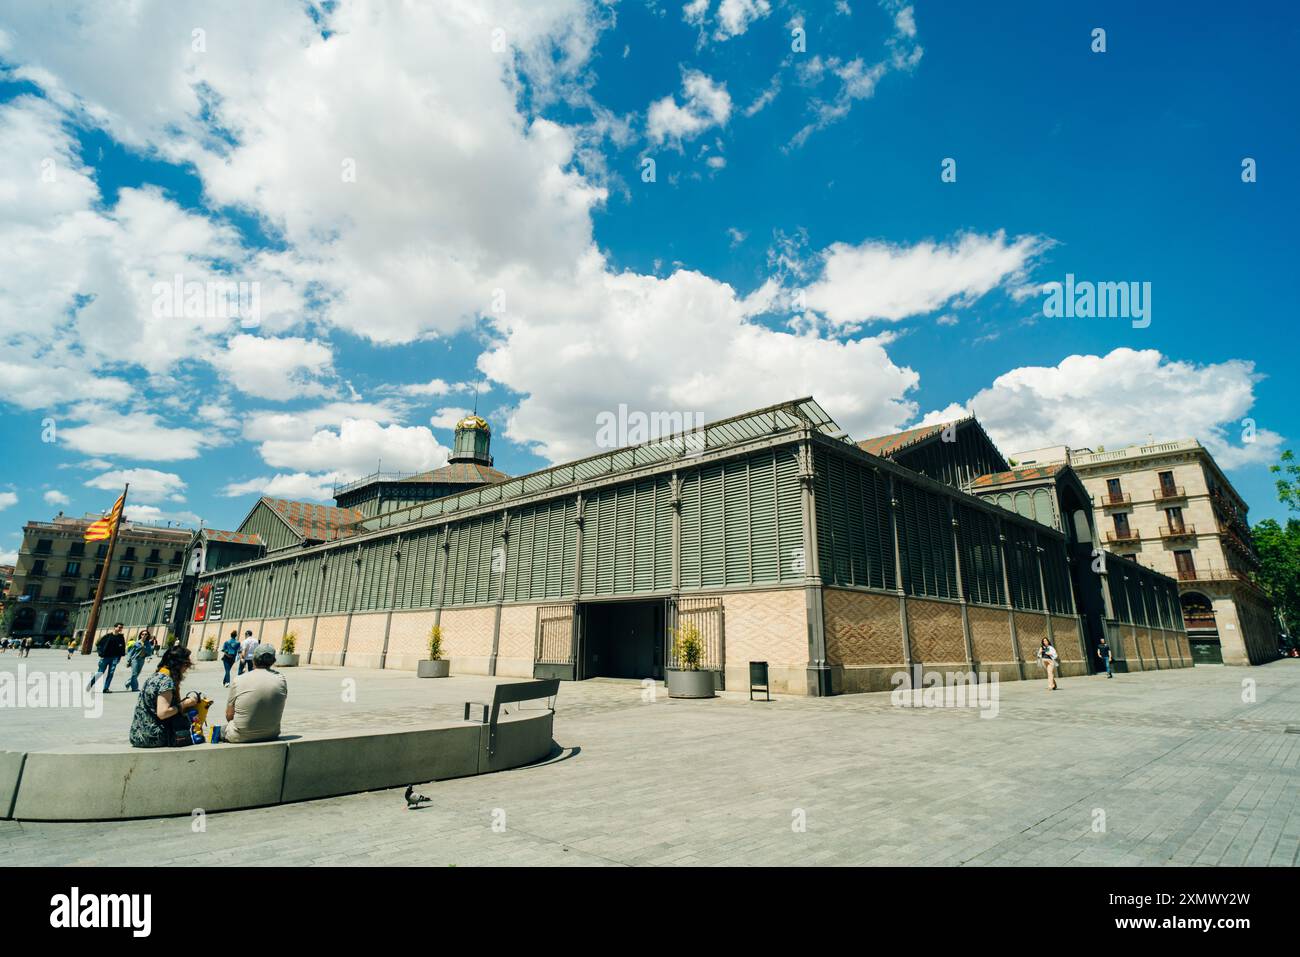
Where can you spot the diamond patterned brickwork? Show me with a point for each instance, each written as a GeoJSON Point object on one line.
{"type": "Point", "coordinates": [769, 626]}
{"type": "Point", "coordinates": [862, 628]}
{"type": "Point", "coordinates": [1148, 647]}
{"type": "Point", "coordinates": [467, 632]}
{"type": "Point", "coordinates": [518, 631]}
{"type": "Point", "coordinates": [935, 629]}
{"type": "Point", "coordinates": [366, 639]}
{"type": "Point", "coordinates": [408, 639]}
{"type": "Point", "coordinates": [301, 628]}
{"type": "Point", "coordinates": [1066, 632]}
{"type": "Point", "coordinates": [1031, 629]}
{"type": "Point", "coordinates": [990, 632]}
{"type": "Point", "coordinates": [329, 640]}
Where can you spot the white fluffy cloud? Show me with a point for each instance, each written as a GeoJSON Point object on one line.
{"type": "Point", "coordinates": [1124, 397]}
{"type": "Point", "coordinates": [447, 418]}
{"type": "Point", "coordinates": [55, 497]}
{"type": "Point", "coordinates": [883, 281]}
{"type": "Point", "coordinates": [732, 17]}
{"type": "Point", "coordinates": [147, 485]}
{"type": "Point", "coordinates": [136, 435]}
{"type": "Point", "coordinates": [293, 485]}
{"type": "Point", "coordinates": [705, 104]}
{"type": "Point", "coordinates": [8, 499]}
{"type": "Point", "coordinates": [718, 363]}
{"type": "Point", "coordinates": [855, 80]}
{"type": "Point", "coordinates": [357, 447]}
{"type": "Point", "coordinates": [276, 368]}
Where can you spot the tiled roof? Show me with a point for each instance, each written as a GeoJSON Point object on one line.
{"type": "Point", "coordinates": [237, 538]}
{"type": "Point", "coordinates": [887, 445]}
{"type": "Point", "coordinates": [322, 523]}
{"type": "Point", "coordinates": [1025, 474]}
{"type": "Point", "coordinates": [461, 473]}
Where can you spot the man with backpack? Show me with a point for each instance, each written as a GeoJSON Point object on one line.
{"type": "Point", "coordinates": [111, 649]}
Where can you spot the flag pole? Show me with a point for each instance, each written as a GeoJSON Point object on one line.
{"type": "Point", "coordinates": [88, 639]}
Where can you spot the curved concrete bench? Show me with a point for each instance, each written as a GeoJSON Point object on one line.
{"type": "Point", "coordinates": [115, 782]}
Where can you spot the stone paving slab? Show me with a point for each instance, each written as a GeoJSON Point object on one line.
{"type": "Point", "coordinates": [1179, 767]}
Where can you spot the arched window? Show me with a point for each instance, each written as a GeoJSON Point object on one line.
{"type": "Point", "coordinates": [1024, 506]}
{"type": "Point", "coordinates": [1043, 507]}
{"type": "Point", "coordinates": [1082, 531]}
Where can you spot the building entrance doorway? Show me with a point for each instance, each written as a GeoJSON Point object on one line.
{"type": "Point", "coordinates": [622, 639]}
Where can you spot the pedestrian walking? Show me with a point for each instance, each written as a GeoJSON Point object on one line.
{"type": "Point", "coordinates": [1104, 653]}
{"type": "Point", "coordinates": [1048, 658]}
{"type": "Point", "coordinates": [229, 654]}
{"type": "Point", "coordinates": [139, 652]}
{"type": "Point", "coordinates": [246, 652]}
{"type": "Point", "coordinates": [111, 649]}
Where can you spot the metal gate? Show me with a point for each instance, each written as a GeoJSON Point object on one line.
{"type": "Point", "coordinates": [706, 615]}
{"type": "Point", "coordinates": [553, 648]}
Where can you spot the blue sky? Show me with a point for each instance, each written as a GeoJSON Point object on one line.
{"type": "Point", "coordinates": [498, 232]}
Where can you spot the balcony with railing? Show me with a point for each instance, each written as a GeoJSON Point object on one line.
{"type": "Point", "coordinates": [1213, 575]}
{"type": "Point", "coordinates": [1200, 621]}
{"type": "Point", "coordinates": [1177, 531]}
{"type": "Point", "coordinates": [1168, 493]}
{"type": "Point", "coordinates": [1125, 535]}
{"type": "Point", "coordinates": [1114, 499]}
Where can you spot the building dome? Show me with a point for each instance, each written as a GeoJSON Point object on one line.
{"type": "Point", "coordinates": [473, 441]}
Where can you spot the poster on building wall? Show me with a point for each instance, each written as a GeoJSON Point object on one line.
{"type": "Point", "coordinates": [169, 605]}
{"type": "Point", "coordinates": [217, 602]}
{"type": "Point", "coordinates": [201, 603]}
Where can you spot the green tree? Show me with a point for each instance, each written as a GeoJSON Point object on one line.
{"type": "Point", "coordinates": [1288, 486]}
{"type": "Point", "coordinates": [1279, 567]}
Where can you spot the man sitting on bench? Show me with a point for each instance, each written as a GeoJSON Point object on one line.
{"type": "Point", "coordinates": [256, 701]}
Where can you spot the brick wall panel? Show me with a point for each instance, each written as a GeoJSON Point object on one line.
{"type": "Point", "coordinates": [862, 628]}
{"type": "Point", "coordinates": [991, 634]}
{"type": "Point", "coordinates": [935, 630]}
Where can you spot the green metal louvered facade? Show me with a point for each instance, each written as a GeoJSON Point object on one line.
{"type": "Point", "coordinates": [937, 527]}
{"type": "Point", "coordinates": [740, 525]}
{"type": "Point", "coordinates": [775, 499]}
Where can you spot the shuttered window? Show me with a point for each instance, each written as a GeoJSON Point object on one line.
{"type": "Point", "coordinates": [925, 542]}
{"type": "Point", "coordinates": [981, 556]}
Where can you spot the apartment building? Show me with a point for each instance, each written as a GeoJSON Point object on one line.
{"type": "Point", "coordinates": [1169, 507]}
{"type": "Point", "coordinates": [57, 570]}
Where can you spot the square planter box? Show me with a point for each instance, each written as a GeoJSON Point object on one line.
{"type": "Point", "coordinates": [286, 661]}
{"type": "Point", "coordinates": [439, 668]}
{"type": "Point", "coordinates": [206, 655]}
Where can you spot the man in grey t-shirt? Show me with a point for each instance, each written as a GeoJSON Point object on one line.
{"type": "Point", "coordinates": [256, 702]}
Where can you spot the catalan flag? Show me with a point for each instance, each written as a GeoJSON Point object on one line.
{"type": "Point", "coordinates": [103, 529]}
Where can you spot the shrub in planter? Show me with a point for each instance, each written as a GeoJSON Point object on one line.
{"type": "Point", "coordinates": [435, 666]}
{"type": "Point", "coordinates": [689, 681]}
{"type": "Point", "coordinates": [209, 650]}
{"type": "Point", "coordinates": [286, 657]}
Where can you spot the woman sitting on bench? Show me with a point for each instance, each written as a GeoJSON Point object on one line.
{"type": "Point", "coordinates": [158, 719]}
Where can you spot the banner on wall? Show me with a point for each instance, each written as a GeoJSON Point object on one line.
{"type": "Point", "coordinates": [201, 603]}
{"type": "Point", "coordinates": [216, 602]}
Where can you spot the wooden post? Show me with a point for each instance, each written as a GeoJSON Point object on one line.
{"type": "Point", "coordinates": [88, 641]}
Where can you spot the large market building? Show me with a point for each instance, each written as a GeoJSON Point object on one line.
{"type": "Point", "coordinates": [838, 563]}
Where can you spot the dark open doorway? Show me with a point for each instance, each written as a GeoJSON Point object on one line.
{"type": "Point", "coordinates": [623, 639]}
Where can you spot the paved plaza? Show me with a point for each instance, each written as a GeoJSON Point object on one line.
{"type": "Point", "coordinates": [1166, 767]}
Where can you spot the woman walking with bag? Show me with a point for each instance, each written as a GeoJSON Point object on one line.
{"type": "Point", "coordinates": [1048, 658]}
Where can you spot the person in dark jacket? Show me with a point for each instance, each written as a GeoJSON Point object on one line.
{"type": "Point", "coordinates": [111, 649]}
{"type": "Point", "coordinates": [1104, 653]}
